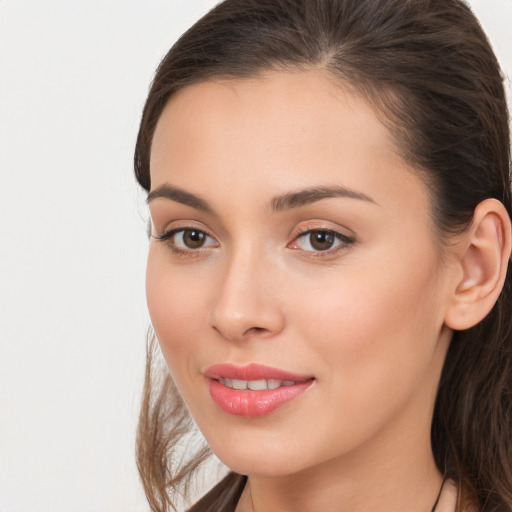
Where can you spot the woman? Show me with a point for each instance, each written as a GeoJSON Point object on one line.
{"type": "Point", "coordinates": [329, 188]}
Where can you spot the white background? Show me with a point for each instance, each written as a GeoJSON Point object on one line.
{"type": "Point", "coordinates": [73, 78]}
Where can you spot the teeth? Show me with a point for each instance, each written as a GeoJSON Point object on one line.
{"type": "Point", "coordinates": [273, 383]}
{"type": "Point", "coordinates": [239, 384]}
{"type": "Point", "coordinates": [255, 385]}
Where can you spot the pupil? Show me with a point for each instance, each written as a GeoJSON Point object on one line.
{"type": "Point", "coordinates": [322, 240]}
{"type": "Point", "coordinates": [193, 238]}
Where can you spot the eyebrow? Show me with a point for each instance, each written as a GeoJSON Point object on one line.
{"type": "Point", "coordinates": [286, 201]}
{"type": "Point", "coordinates": [311, 195]}
{"type": "Point", "coordinates": [180, 196]}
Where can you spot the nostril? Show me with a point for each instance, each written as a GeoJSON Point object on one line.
{"type": "Point", "coordinates": [255, 330]}
{"type": "Point", "coordinates": [242, 334]}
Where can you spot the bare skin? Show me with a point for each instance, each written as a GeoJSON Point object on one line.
{"type": "Point", "coordinates": [364, 315]}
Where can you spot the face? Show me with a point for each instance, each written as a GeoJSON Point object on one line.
{"type": "Point", "coordinates": [294, 279]}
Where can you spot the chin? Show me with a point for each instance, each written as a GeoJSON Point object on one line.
{"type": "Point", "coordinates": [258, 460]}
{"type": "Point", "coordinates": [265, 468]}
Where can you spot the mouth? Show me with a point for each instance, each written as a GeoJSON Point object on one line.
{"type": "Point", "coordinates": [256, 385]}
{"type": "Point", "coordinates": [254, 390]}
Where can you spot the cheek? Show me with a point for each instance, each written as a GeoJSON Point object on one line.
{"type": "Point", "coordinates": [176, 307]}
{"type": "Point", "coordinates": [373, 336]}
{"type": "Point", "coordinates": [373, 324]}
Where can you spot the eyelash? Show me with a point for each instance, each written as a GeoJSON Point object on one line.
{"type": "Point", "coordinates": [345, 241]}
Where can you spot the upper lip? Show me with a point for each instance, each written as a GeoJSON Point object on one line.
{"type": "Point", "coordinates": [251, 371]}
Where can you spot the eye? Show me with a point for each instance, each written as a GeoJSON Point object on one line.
{"type": "Point", "coordinates": [190, 239]}
{"type": "Point", "coordinates": [187, 239]}
{"type": "Point", "coordinates": [321, 240]}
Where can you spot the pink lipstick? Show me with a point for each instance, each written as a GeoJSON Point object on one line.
{"type": "Point", "coordinates": [254, 390]}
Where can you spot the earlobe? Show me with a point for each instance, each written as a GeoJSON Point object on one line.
{"type": "Point", "coordinates": [482, 266]}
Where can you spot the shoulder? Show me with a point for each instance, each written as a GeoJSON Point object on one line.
{"type": "Point", "coordinates": [223, 497]}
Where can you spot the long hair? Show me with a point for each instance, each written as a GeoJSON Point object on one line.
{"type": "Point", "coordinates": [429, 71]}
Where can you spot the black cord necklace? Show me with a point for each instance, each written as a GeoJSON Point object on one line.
{"type": "Point", "coordinates": [439, 495]}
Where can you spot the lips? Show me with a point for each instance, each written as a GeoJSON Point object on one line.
{"type": "Point", "coordinates": [254, 390]}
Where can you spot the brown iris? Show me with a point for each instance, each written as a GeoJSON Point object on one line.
{"type": "Point", "coordinates": [193, 238]}
{"type": "Point", "coordinates": [322, 240]}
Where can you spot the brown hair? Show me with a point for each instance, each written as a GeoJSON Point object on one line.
{"type": "Point", "coordinates": [428, 68]}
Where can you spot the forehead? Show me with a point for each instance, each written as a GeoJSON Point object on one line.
{"type": "Point", "coordinates": [278, 131]}
{"type": "Point", "coordinates": [275, 110]}
{"type": "Point", "coordinates": [289, 100]}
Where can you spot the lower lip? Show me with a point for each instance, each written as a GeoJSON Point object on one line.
{"type": "Point", "coordinates": [252, 404]}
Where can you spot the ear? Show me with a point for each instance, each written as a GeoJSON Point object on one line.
{"type": "Point", "coordinates": [481, 265]}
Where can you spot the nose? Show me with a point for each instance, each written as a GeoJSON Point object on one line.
{"type": "Point", "coordinates": [246, 304]}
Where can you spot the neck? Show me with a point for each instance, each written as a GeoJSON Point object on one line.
{"type": "Point", "coordinates": [304, 494]}
{"type": "Point", "coordinates": [394, 472]}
